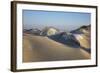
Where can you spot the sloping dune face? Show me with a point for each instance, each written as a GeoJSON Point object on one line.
{"type": "Point", "coordinates": [83, 35]}
{"type": "Point", "coordinates": [39, 48]}
{"type": "Point", "coordinates": [83, 40]}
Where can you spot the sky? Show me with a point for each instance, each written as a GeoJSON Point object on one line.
{"type": "Point", "coordinates": [64, 21]}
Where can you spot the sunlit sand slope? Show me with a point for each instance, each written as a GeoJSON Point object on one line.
{"type": "Point", "coordinates": [84, 41]}
{"type": "Point", "coordinates": [39, 48]}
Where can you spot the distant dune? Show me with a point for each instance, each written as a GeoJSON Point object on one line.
{"type": "Point", "coordinates": [40, 48]}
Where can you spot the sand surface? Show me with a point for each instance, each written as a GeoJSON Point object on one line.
{"type": "Point", "coordinates": [39, 48]}
{"type": "Point", "coordinates": [84, 41]}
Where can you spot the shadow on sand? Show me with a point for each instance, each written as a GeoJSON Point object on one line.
{"type": "Point", "coordinates": [68, 40]}
{"type": "Point", "coordinates": [65, 39]}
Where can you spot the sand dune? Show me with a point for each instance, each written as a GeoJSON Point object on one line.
{"type": "Point", "coordinates": [39, 48]}
{"type": "Point", "coordinates": [83, 40]}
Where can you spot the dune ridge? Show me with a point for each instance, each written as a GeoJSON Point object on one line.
{"type": "Point", "coordinates": [40, 48]}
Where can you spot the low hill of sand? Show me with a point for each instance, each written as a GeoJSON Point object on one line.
{"type": "Point", "coordinates": [83, 35]}
{"type": "Point", "coordinates": [83, 40]}
{"type": "Point", "coordinates": [39, 48]}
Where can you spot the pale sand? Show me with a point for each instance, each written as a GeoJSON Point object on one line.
{"type": "Point", "coordinates": [38, 48]}
{"type": "Point", "coordinates": [84, 41]}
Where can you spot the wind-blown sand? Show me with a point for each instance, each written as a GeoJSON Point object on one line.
{"type": "Point", "coordinates": [39, 48]}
